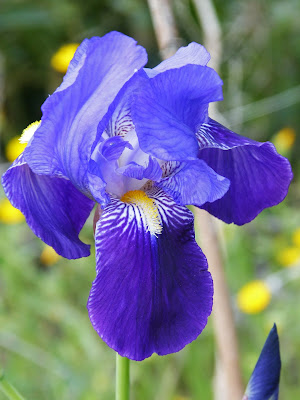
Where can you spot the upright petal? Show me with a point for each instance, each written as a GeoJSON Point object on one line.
{"type": "Point", "coordinates": [170, 107]}
{"type": "Point", "coordinates": [264, 381]}
{"type": "Point", "coordinates": [194, 182]}
{"type": "Point", "coordinates": [75, 65]}
{"type": "Point", "coordinates": [63, 143]}
{"type": "Point", "coordinates": [152, 293]}
{"type": "Point", "coordinates": [259, 176]}
{"type": "Point", "coordinates": [54, 209]}
{"type": "Point", "coordinates": [194, 53]}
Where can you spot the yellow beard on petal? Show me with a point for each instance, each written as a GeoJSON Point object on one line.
{"type": "Point", "coordinates": [148, 207]}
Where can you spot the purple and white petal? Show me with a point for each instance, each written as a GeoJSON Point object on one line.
{"type": "Point", "coordinates": [194, 53]}
{"type": "Point", "coordinates": [194, 182]}
{"type": "Point", "coordinates": [54, 209]}
{"type": "Point", "coordinates": [120, 122]}
{"type": "Point", "coordinates": [170, 107]}
{"type": "Point", "coordinates": [211, 134]}
{"type": "Point", "coordinates": [107, 174]}
{"type": "Point", "coordinates": [259, 176]}
{"type": "Point", "coordinates": [152, 294]}
{"type": "Point", "coordinates": [64, 141]}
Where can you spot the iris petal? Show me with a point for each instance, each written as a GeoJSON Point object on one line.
{"type": "Point", "coordinates": [264, 381]}
{"type": "Point", "coordinates": [259, 176]}
{"type": "Point", "coordinates": [75, 65]}
{"type": "Point", "coordinates": [97, 183]}
{"type": "Point", "coordinates": [63, 143]}
{"type": "Point", "coordinates": [169, 108]}
{"type": "Point", "coordinates": [113, 147]}
{"type": "Point", "coordinates": [54, 209]}
{"type": "Point", "coordinates": [121, 122]}
{"type": "Point", "coordinates": [194, 53]}
{"type": "Point", "coordinates": [151, 294]}
{"type": "Point", "coordinates": [194, 182]}
{"type": "Point", "coordinates": [134, 170]}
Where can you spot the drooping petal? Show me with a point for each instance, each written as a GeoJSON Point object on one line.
{"type": "Point", "coordinates": [63, 143]}
{"type": "Point", "coordinates": [151, 294]}
{"type": "Point", "coordinates": [194, 53]}
{"type": "Point", "coordinates": [264, 381]}
{"type": "Point", "coordinates": [259, 176]}
{"type": "Point", "coordinates": [194, 182]}
{"type": "Point", "coordinates": [169, 108]}
{"type": "Point", "coordinates": [54, 209]}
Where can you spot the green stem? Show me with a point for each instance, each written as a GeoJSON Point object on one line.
{"type": "Point", "coordinates": [8, 389]}
{"type": "Point", "coordinates": [122, 378]}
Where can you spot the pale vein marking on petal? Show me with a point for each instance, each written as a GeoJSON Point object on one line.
{"type": "Point", "coordinates": [169, 167]}
{"type": "Point", "coordinates": [120, 123]}
{"type": "Point", "coordinates": [206, 139]}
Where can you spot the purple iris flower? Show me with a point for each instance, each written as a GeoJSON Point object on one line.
{"type": "Point", "coordinates": [139, 143]}
{"type": "Point", "coordinates": [264, 381]}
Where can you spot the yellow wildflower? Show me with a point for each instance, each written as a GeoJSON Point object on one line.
{"type": "Point", "coordinates": [289, 256]}
{"type": "Point", "coordinates": [14, 148]}
{"type": "Point", "coordinates": [296, 237]}
{"type": "Point", "coordinates": [61, 59]}
{"type": "Point", "coordinates": [17, 144]}
{"type": "Point", "coordinates": [28, 132]}
{"type": "Point", "coordinates": [284, 139]}
{"type": "Point", "coordinates": [254, 297]}
{"type": "Point", "coordinates": [49, 256]}
{"type": "Point", "coordinates": [10, 214]}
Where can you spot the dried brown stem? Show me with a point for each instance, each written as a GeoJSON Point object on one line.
{"type": "Point", "coordinates": [228, 381]}
{"type": "Point", "coordinates": [164, 26]}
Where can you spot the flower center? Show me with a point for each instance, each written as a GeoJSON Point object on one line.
{"type": "Point", "coordinates": [147, 206]}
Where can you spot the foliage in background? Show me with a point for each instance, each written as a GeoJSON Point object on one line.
{"type": "Point", "coordinates": [47, 346]}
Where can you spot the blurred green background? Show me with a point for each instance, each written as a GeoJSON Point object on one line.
{"type": "Point", "coordinates": [48, 347]}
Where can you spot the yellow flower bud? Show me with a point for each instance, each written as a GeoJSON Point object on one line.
{"type": "Point", "coordinates": [289, 256]}
{"type": "Point", "coordinates": [284, 139]}
{"type": "Point", "coordinates": [61, 59]}
{"type": "Point", "coordinates": [10, 214]}
{"type": "Point", "coordinates": [14, 148]}
{"type": "Point", "coordinates": [49, 256]}
{"type": "Point", "coordinates": [254, 297]}
{"type": "Point", "coordinates": [296, 237]}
